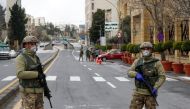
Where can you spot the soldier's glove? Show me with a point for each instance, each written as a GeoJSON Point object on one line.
{"type": "Point", "coordinates": [139, 77]}
{"type": "Point", "coordinates": [154, 92]}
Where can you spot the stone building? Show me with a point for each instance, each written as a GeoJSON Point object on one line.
{"type": "Point", "coordinates": [144, 29]}
{"type": "Point", "coordinates": [30, 25]}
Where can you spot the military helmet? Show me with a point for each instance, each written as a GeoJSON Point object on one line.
{"type": "Point", "coordinates": [146, 45]}
{"type": "Point", "coordinates": [30, 39]}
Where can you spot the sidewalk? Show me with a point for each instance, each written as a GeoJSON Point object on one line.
{"type": "Point", "coordinates": [170, 74]}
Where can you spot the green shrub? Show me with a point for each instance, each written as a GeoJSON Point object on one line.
{"type": "Point", "coordinates": [103, 48]}
{"type": "Point", "coordinates": [97, 46]}
{"type": "Point", "coordinates": [168, 45]}
{"type": "Point", "coordinates": [136, 49]}
{"type": "Point", "coordinates": [128, 47]}
{"type": "Point", "coordinates": [185, 46]}
{"type": "Point", "coordinates": [159, 47]}
{"type": "Point", "coordinates": [177, 45]}
{"type": "Point", "coordinates": [131, 48]}
{"type": "Point", "coordinates": [109, 47]}
{"type": "Point", "coordinates": [123, 47]}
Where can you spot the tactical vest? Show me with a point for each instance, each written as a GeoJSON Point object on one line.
{"type": "Point", "coordinates": [149, 72]}
{"type": "Point", "coordinates": [30, 83]}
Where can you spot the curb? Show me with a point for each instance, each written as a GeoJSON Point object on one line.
{"type": "Point", "coordinates": [11, 91]}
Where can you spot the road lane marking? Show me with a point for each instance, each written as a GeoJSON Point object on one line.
{"type": "Point", "coordinates": [9, 78]}
{"type": "Point", "coordinates": [184, 77]}
{"type": "Point", "coordinates": [122, 79]}
{"type": "Point", "coordinates": [171, 79]}
{"type": "Point", "coordinates": [96, 74]}
{"type": "Point", "coordinates": [89, 69]}
{"type": "Point", "coordinates": [6, 65]}
{"type": "Point", "coordinates": [74, 78]}
{"type": "Point", "coordinates": [51, 78]}
{"type": "Point", "coordinates": [84, 65]}
{"type": "Point", "coordinates": [113, 86]}
{"type": "Point", "coordinates": [76, 58]}
{"type": "Point", "coordinates": [99, 79]}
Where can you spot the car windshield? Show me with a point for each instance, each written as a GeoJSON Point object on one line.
{"type": "Point", "coordinates": [4, 48]}
{"type": "Point", "coordinates": [113, 51]}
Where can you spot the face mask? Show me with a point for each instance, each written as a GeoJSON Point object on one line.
{"type": "Point", "coordinates": [146, 53]}
{"type": "Point", "coordinates": [34, 49]}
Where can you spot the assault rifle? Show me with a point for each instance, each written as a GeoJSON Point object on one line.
{"type": "Point", "coordinates": [148, 85]}
{"type": "Point", "coordinates": [43, 82]}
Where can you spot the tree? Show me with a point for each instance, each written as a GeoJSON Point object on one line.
{"type": "Point", "coordinates": [16, 26]}
{"type": "Point", "coordinates": [2, 20]}
{"type": "Point", "coordinates": [97, 27]}
{"type": "Point", "coordinates": [39, 32]}
{"type": "Point", "coordinates": [50, 28]}
{"type": "Point", "coordinates": [180, 8]}
{"type": "Point", "coordinates": [67, 30]}
{"type": "Point", "coordinates": [73, 32]}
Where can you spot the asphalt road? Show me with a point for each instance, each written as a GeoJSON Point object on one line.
{"type": "Point", "coordinates": [86, 85]}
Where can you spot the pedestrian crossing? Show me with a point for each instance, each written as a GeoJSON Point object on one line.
{"type": "Point", "coordinates": [96, 78]}
{"type": "Point", "coordinates": [51, 78]}
{"type": "Point", "coordinates": [122, 79]}
{"type": "Point", "coordinates": [74, 78]}
{"type": "Point", "coordinates": [99, 79]}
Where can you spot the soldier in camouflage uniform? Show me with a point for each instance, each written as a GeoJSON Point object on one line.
{"type": "Point", "coordinates": [152, 72]}
{"type": "Point", "coordinates": [30, 88]}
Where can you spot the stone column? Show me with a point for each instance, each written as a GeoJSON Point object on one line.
{"type": "Point", "coordinates": [177, 36]}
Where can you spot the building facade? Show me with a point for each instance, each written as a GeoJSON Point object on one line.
{"type": "Point", "coordinates": [30, 25]}
{"type": "Point", "coordinates": [111, 13]}
{"type": "Point", "coordinates": [144, 29]}
{"type": "Point", "coordinates": [40, 21]}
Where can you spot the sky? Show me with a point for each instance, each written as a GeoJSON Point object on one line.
{"type": "Point", "coordinates": [57, 11]}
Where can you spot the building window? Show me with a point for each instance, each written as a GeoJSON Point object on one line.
{"type": "Point", "coordinates": [92, 6]}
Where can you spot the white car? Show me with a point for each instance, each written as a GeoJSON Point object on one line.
{"type": "Point", "coordinates": [42, 44]}
{"type": "Point", "coordinates": [13, 54]}
{"type": "Point", "coordinates": [4, 52]}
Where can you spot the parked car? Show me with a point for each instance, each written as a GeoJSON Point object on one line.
{"type": "Point", "coordinates": [112, 54]}
{"type": "Point", "coordinates": [4, 51]}
{"type": "Point", "coordinates": [42, 45]}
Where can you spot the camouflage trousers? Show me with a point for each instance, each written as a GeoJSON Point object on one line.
{"type": "Point", "coordinates": [32, 101]}
{"type": "Point", "coordinates": [140, 100]}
